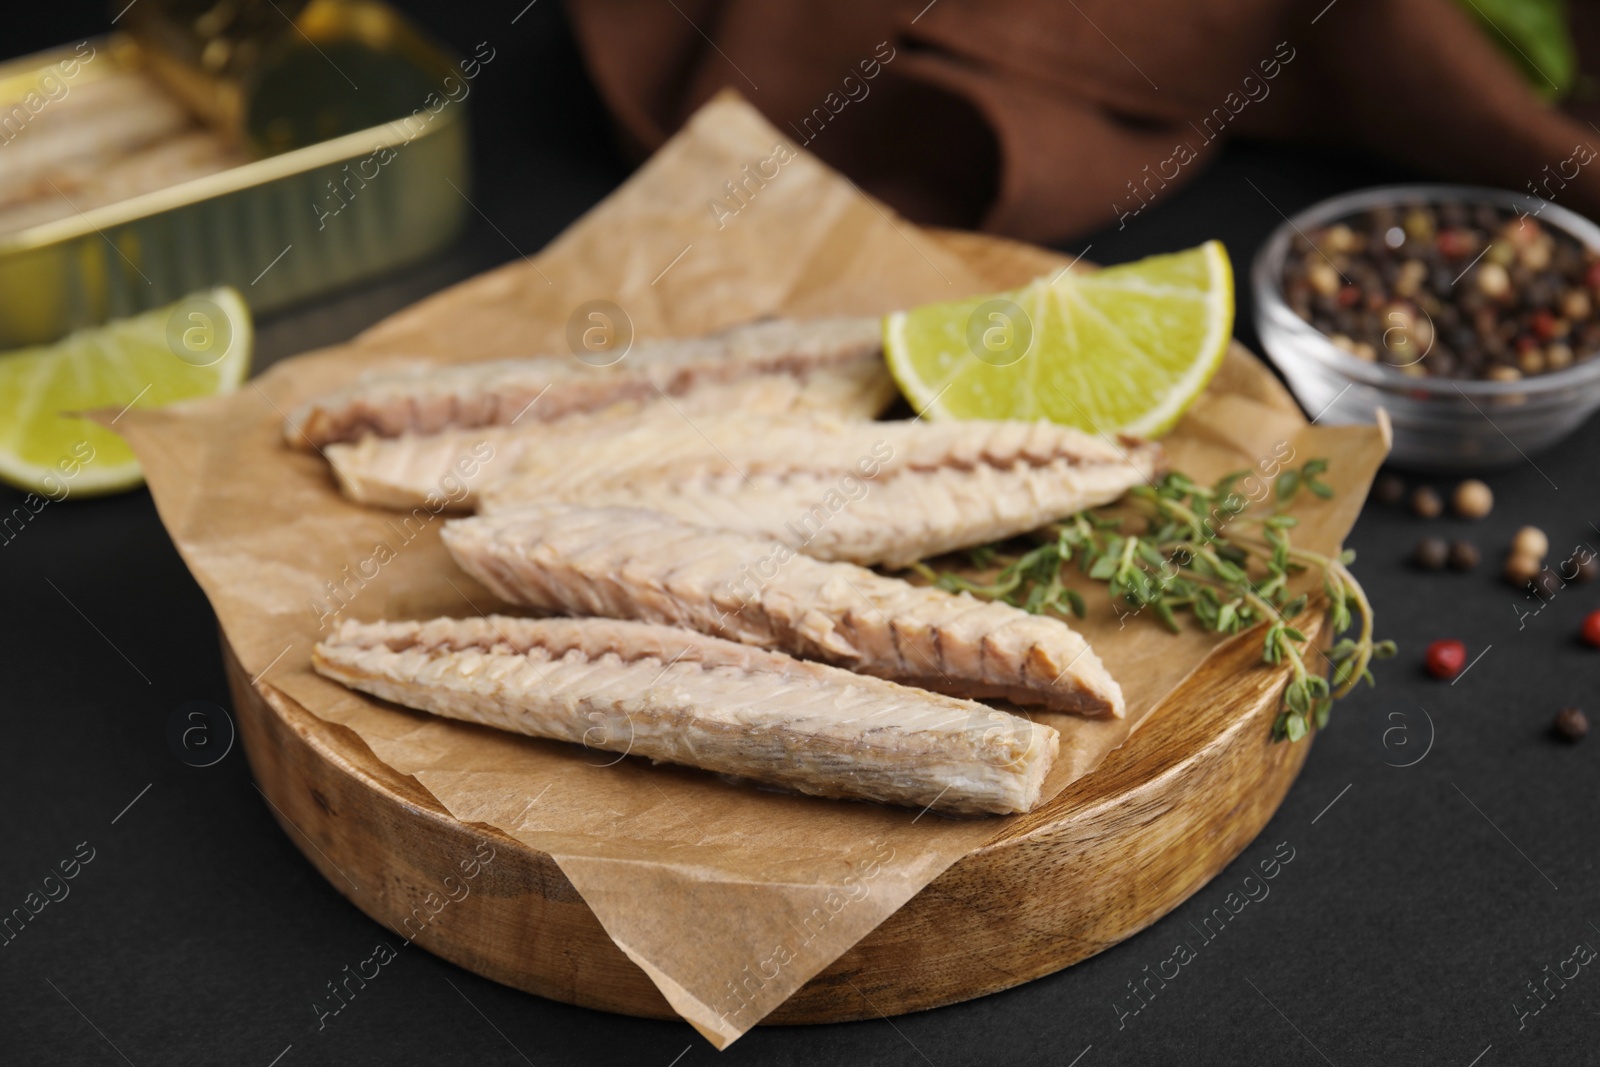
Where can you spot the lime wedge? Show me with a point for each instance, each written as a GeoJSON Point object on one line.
{"type": "Point", "coordinates": [196, 347]}
{"type": "Point", "coordinates": [1126, 349]}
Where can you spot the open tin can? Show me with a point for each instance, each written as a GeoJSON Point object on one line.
{"type": "Point", "coordinates": [356, 131]}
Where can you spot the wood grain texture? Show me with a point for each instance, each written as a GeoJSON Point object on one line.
{"type": "Point", "coordinates": [1106, 858]}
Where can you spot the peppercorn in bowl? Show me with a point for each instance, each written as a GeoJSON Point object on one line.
{"type": "Point", "coordinates": [1471, 315]}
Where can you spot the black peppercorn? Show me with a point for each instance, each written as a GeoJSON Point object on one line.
{"type": "Point", "coordinates": [1431, 553]}
{"type": "Point", "coordinates": [1426, 503]}
{"type": "Point", "coordinates": [1463, 555]}
{"type": "Point", "coordinates": [1388, 489]}
{"type": "Point", "coordinates": [1571, 724]}
{"type": "Point", "coordinates": [1546, 583]}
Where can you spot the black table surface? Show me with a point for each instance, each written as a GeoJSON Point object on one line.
{"type": "Point", "coordinates": [1444, 844]}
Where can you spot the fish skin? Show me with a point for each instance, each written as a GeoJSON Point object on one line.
{"type": "Point", "coordinates": [683, 697]}
{"type": "Point", "coordinates": [628, 563]}
{"type": "Point", "coordinates": [865, 492]}
{"type": "Point", "coordinates": [501, 392]}
{"type": "Point", "coordinates": [417, 470]}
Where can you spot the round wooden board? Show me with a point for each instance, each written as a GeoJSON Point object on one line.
{"type": "Point", "coordinates": [1108, 857]}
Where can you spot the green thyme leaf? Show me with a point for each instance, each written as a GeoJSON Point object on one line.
{"type": "Point", "coordinates": [1203, 552]}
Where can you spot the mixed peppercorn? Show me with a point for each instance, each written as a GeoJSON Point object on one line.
{"type": "Point", "coordinates": [1571, 724]}
{"type": "Point", "coordinates": [1451, 290]}
{"type": "Point", "coordinates": [1526, 567]}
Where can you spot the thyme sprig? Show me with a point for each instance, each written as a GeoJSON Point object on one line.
{"type": "Point", "coordinates": [1200, 550]}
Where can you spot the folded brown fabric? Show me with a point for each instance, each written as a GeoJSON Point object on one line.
{"type": "Point", "coordinates": [1042, 120]}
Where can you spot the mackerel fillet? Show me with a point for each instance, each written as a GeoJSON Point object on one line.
{"type": "Point", "coordinates": [426, 400]}
{"type": "Point", "coordinates": [413, 470]}
{"type": "Point", "coordinates": [627, 563]}
{"type": "Point", "coordinates": [839, 489]}
{"type": "Point", "coordinates": [682, 697]}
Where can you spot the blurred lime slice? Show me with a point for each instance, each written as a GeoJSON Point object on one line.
{"type": "Point", "coordinates": [196, 347]}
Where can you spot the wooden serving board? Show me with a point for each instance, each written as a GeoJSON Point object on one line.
{"type": "Point", "coordinates": [1109, 856]}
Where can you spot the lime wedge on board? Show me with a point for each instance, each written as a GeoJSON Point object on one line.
{"type": "Point", "coordinates": [1126, 349]}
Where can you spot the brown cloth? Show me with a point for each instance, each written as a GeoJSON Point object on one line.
{"type": "Point", "coordinates": [1042, 120]}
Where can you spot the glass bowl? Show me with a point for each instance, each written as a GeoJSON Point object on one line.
{"type": "Point", "coordinates": [1445, 424]}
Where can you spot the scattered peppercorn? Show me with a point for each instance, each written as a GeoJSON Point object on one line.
{"type": "Point", "coordinates": [1591, 628]}
{"type": "Point", "coordinates": [1546, 583]}
{"type": "Point", "coordinates": [1522, 569]}
{"type": "Point", "coordinates": [1463, 555]}
{"type": "Point", "coordinates": [1449, 289]}
{"type": "Point", "coordinates": [1588, 569]}
{"type": "Point", "coordinates": [1389, 489]}
{"type": "Point", "coordinates": [1431, 553]}
{"type": "Point", "coordinates": [1446, 658]}
{"type": "Point", "coordinates": [1472, 499]}
{"type": "Point", "coordinates": [1530, 541]}
{"type": "Point", "coordinates": [1426, 503]}
{"type": "Point", "coordinates": [1571, 724]}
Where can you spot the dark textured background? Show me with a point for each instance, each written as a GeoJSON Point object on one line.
{"type": "Point", "coordinates": [1415, 909]}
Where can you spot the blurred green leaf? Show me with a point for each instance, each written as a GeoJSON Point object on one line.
{"type": "Point", "coordinates": [1534, 35]}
